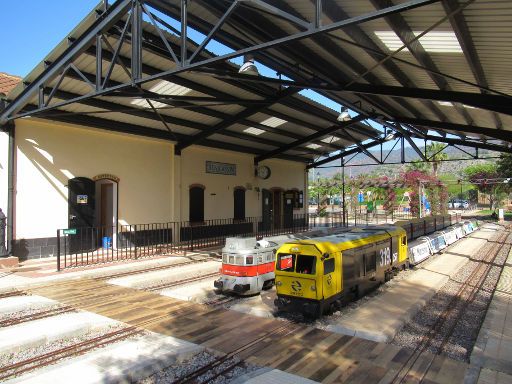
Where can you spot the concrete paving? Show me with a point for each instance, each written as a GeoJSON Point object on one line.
{"type": "Point", "coordinates": [197, 292]}
{"type": "Point", "coordinates": [400, 303]}
{"type": "Point", "coordinates": [38, 332]}
{"type": "Point", "coordinates": [123, 362]}
{"type": "Point", "coordinates": [271, 376]}
{"type": "Point", "coordinates": [491, 358]}
{"type": "Point", "coordinates": [21, 303]}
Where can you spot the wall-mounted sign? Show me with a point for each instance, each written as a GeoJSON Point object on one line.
{"type": "Point", "coordinates": [70, 231]}
{"type": "Point", "coordinates": [81, 199]}
{"type": "Point", "coordinates": [220, 168]}
{"type": "Point", "coordinates": [107, 176]}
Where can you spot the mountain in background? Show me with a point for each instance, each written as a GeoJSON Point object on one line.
{"type": "Point", "coordinates": [359, 164]}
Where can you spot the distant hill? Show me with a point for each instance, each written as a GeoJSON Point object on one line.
{"type": "Point", "coordinates": [359, 164]}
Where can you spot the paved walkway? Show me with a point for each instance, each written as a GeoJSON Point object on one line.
{"type": "Point", "coordinates": [401, 302]}
{"type": "Point", "coordinates": [491, 359]}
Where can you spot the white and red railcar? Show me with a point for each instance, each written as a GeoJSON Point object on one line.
{"type": "Point", "coordinates": [247, 266]}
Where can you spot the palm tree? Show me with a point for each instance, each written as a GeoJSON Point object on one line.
{"type": "Point", "coordinates": [435, 155]}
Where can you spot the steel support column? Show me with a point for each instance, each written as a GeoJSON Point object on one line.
{"type": "Point", "coordinates": [136, 40]}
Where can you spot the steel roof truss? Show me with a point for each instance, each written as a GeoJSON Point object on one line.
{"type": "Point", "coordinates": [307, 139]}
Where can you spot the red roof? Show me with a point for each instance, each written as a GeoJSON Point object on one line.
{"type": "Point", "coordinates": [8, 82]}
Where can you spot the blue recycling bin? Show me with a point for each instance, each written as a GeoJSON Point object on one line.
{"type": "Point", "coordinates": [107, 242]}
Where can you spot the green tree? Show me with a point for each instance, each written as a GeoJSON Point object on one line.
{"type": "Point", "coordinates": [435, 154]}
{"type": "Point", "coordinates": [417, 165]}
{"type": "Point", "coordinates": [481, 176]}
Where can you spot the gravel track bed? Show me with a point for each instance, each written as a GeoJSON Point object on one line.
{"type": "Point", "coordinates": [30, 312]}
{"type": "Point", "coordinates": [12, 358]}
{"type": "Point", "coordinates": [465, 329]}
{"type": "Point", "coordinates": [180, 370]}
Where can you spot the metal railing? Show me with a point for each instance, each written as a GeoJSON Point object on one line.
{"type": "Point", "coordinates": [94, 245]}
{"type": "Point", "coordinates": [3, 227]}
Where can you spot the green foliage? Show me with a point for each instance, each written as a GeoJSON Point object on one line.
{"type": "Point", "coordinates": [481, 175]}
{"type": "Point", "coordinates": [436, 155]}
{"type": "Point", "coordinates": [418, 165]}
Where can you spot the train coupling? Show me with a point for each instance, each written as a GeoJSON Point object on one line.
{"type": "Point", "coordinates": [241, 288]}
{"type": "Point", "coordinates": [219, 284]}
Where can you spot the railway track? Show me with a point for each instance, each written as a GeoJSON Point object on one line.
{"type": "Point", "coordinates": [152, 269]}
{"type": "Point", "coordinates": [228, 362]}
{"type": "Point", "coordinates": [46, 359]}
{"type": "Point", "coordinates": [176, 283]}
{"type": "Point", "coordinates": [36, 316]}
{"type": "Point", "coordinates": [12, 293]}
{"type": "Point", "coordinates": [442, 330]}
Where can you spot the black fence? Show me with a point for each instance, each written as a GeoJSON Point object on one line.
{"type": "Point", "coordinates": [94, 245]}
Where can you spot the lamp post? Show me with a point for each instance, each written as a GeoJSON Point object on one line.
{"type": "Point", "coordinates": [318, 192]}
{"type": "Point", "coordinates": [343, 190]}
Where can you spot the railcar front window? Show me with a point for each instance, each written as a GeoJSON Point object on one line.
{"type": "Point", "coordinates": [285, 262]}
{"type": "Point", "coordinates": [306, 264]}
{"type": "Point", "coordinates": [249, 260]}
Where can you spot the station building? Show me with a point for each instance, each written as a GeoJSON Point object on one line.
{"type": "Point", "coordinates": [129, 121]}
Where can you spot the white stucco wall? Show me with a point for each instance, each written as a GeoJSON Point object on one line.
{"type": "Point", "coordinates": [4, 157]}
{"type": "Point", "coordinates": [154, 183]}
{"type": "Point", "coordinates": [48, 154]}
{"type": "Point", "coordinates": [219, 188]}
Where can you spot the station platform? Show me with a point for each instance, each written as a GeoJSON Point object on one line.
{"type": "Point", "coordinates": [491, 359]}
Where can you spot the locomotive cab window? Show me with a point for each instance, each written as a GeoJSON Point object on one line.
{"type": "Point", "coordinates": [328, 266]}
{"type": "Point", "coordinates": [404, 240]}
{"type": "Point", "coordinates": [306, 264]}
{"type": "Point", "coordinates": [249, 260]}
{"type": "Point", "coordinates": [285, 262]}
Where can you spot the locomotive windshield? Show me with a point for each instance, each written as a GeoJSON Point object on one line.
{"type": "Point", "coordinates": [290, 262]}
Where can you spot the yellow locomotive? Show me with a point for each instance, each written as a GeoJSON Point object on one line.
{"type": "Point", "coordinates": [314, 276]}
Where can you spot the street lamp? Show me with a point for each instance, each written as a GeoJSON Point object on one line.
{"type": "Point", "coordinates": [318, 191]}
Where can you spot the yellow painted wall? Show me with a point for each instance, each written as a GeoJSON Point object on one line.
{"type": "Point", "coordinates": [219, 188]}
{"type": "Point", "coordinates": [48, 154]}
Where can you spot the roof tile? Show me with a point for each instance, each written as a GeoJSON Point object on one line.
{"type": "Point", "coordinates": [8, 82]}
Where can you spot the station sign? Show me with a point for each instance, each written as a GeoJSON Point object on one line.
{"type": "Point", "coordinates": [69, 231]}
{"type": "Point", "coordinates": [220, 168]}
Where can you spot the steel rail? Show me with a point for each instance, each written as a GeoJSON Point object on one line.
{"type": "Point", "coordinates": [180, 282]}
{"type": "Point", "coordinates": [36, 316]}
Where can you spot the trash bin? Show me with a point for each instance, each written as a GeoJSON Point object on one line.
{"type": "Point", "coordinates": [107, 242]}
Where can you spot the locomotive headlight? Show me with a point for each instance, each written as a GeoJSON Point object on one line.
{"type": "Point", "coordinates": [279, 283]}
{"type": "Point", "coordinates": [313, 288]}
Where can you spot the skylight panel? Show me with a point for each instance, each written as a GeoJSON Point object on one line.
{"type": "Point", "coordinates": [445, 103]}
{"type": "Point", "coordinates": [433, 41]}
{"type": "Point", "coordinates": [313, 146]}
{"type": "Point", "coordinates": [254, 131]}
{"type": "Point", "coordinates": [330, 139]}
{"type": "Point", "coordinates": [162, 88]}
{"type": "Point", "coordinates": [273, 122]}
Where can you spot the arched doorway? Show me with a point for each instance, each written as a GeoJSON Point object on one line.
{"type": "Point", "coordinates": [239, 203]}
{"type": "Point", "coordinates": [107, 210]}
{"type": "Point", "coordinates": [196, 203]}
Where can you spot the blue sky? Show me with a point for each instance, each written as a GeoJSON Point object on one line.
{"type": "Point", "coordinates": [32, 28]}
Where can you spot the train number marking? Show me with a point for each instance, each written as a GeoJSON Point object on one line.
{"type": "Point", "coordinates": [385, 256]}
{"type": "Point", "coordinates": [395, 257]}
{"type": "Point", "coordinates": [296, 286]}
